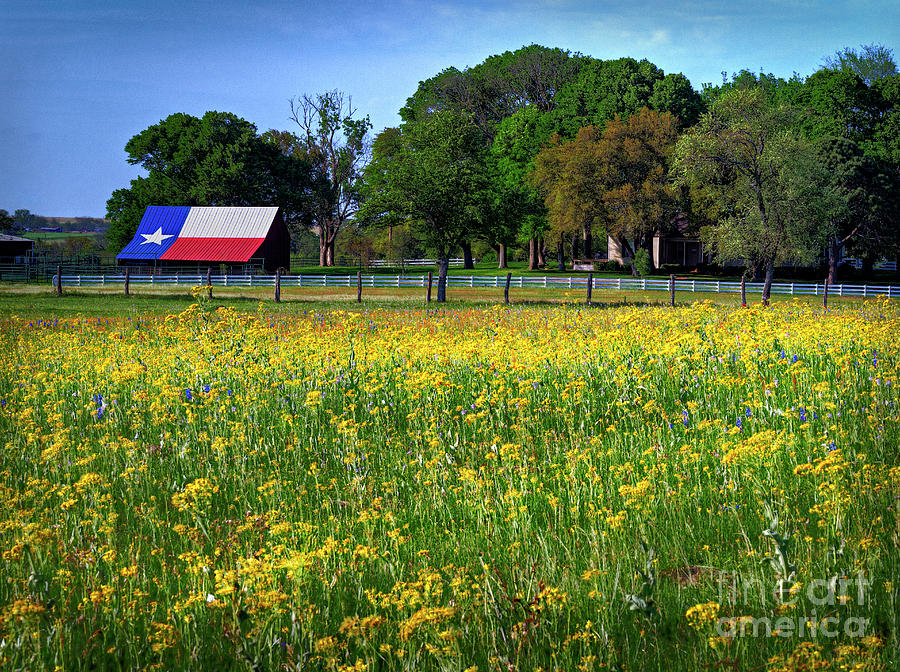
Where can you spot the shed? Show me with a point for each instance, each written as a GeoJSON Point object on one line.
{"type": "Point", "coordinates": [171, 235]}
{"type": "Point", "coordinates": [13, 246]}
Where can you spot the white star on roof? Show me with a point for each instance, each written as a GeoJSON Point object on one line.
{"type": "Point", "coordinates": [156, 237]}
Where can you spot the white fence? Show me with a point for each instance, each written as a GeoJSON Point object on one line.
{"type": "Point", "coordinates": [398, 263]}
{"type": "Point", "coordinates": [878, 265]}
{"type": "Point", "coordinates": [497, 282]}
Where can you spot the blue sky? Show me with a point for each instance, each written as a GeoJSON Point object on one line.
{"type": "Point", "coordinates": [78, 78]}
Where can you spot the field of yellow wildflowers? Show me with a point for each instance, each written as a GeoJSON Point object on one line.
{"type": "Point", "coordinates": [492, 489]}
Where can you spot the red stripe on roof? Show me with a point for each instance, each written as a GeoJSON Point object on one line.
{"type": "Point", "coordinates": [213, 249]}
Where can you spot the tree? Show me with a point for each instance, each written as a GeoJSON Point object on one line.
{"type": "Point", "coordinates": [871, 63]}
{"type": "Point", "coordinates": [862, 220]}
{"type": "Point", "coordinates": [7, 223]}
{"type": "Point", "coordinates": [334, 141]}
{"type": "Point", "coordinates": [837, 103]}
{"type": "Point", "coordinates": [435, 178]}
{"type": "Point", "coordinates": [604, 89]}
{"type": "Point", "coordinates": [567, 174]}
{"type": "Point", "coordinates": [768, 180]}
{"type": "Point", "coordinates": [519, 209]}
{"type": "Point", "coordinates": [24, 219]}
{"type": "Point", "coordinates": [218, 159]}
{"type": "Point", "coordinates": [616, 180]}
{"type": "Point", "coordinates": [496, 88]}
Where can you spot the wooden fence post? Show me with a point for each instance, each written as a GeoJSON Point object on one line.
{"type": "Point", "coordinates": [209, 281]}
{"type": "Point", "coordinates": [590, 287]}
{"type": "Point", "coordinates": [744, 291]}
{"type": "Point", "coordinates": [825, 295]}
{"type": "Point", "coordinates": [506, 288]}
{"type": "Point", "coordinates": [672, 290]}
{"type": "Point", "coordinates": [127, 279]}
{"type": "Point", "coordinates": [428, 291]}
{"type": "Point", "coordinates": [359, 286]}
{"type": "Point", "coordinates": [277, 285]}
{"type": "Point", "coordinates": [59, 280]}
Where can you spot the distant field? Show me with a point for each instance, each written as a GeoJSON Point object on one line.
{"type": "Point", "coordinates": [58, 235]}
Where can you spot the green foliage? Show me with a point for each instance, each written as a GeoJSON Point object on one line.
{"type": "Point", "coordinates": [767, 180]}
{"type": "Point", "coordinates": [863, 219]}
{"type": "Point", "coordinates": [837, 103]}
{"type": "Point", "coordinates": [7, 223]}
{"type": "Point", "coordinates": [604, 89]}
{"type": "Point", "coordinates": [433, 176]}
{"type": "Point", "coordinates": [643, 265]}
{"type": "Point", "coordinates": [871, 63]}
{"type": "Point", "coordinates": [218, 159]}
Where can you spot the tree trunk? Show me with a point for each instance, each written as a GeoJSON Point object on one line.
{"type": "Point", "coordinates": [767, 286]}
{"type": "Point", "coordinates": [560, 255]}
{"type": "Point", "coordinates": [323, 250]}
{"type": "Point", "coordinates": [542, 253]}
{"type": "Point", "coordinates": [532, 254]}
{"type": "Point", "coordinates": [501, 256]}
{"type": "Point", "coordinates": [625, 245]}
{"type": "Point", "coordinates": [443, 264]}
{"type": "Point", "coordinates": [467, 255]}
{"type": "Point", "coordinates": [834, 260]}
{"type": "Point", "coordinates": [588, 246]}
{"type": "Point", "coordinates": [576, 252]}
{"type": "Point", "coordinates": [329, 254]}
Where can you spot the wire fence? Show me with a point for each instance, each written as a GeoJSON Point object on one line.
{"type": "Point", "coordinates": [474, 281]}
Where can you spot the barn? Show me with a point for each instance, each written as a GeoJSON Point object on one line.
{"type": "Point", "coordinates": [182, 235]}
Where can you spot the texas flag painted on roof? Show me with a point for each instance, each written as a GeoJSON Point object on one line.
{"type": "Point", "coordinates": [157, 231]}
{"type": "Point", "coordinates": [210, 234]}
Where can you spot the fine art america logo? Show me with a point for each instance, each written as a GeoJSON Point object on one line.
{"type": "Point", "coordinates": [823, 620]}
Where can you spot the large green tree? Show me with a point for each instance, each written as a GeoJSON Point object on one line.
{"type": "Point", "coordinates": [217, 159]}
{"type": "Point", "coordinates": [433, 176]}
{"type": "Point", "coordinates": [768, 178]}
{"type": "Point", "coordinates": [863, 217]}
{"type": "Point", "coordinates": [838, 103]}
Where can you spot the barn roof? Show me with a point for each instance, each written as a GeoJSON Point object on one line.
{"type": "Point", "coordinates": [6, 238]}
{"type": "Point", "coordinates": [212, 234]}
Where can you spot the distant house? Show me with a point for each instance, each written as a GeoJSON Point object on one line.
{"type": "Point", "coordinates": [680, 248]}
{"type": "Point", "coordinates": [12, 247]}
{"type": "Point", "coordinates": [175, 235]}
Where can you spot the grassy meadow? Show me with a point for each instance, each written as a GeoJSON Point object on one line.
{"type": "Point", "coordinates": [238, 485]}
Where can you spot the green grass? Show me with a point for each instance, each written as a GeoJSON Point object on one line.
{"type": "Point", "coordinates": [16, 298]}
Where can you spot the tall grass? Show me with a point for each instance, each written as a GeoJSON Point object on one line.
{"type": "Point", "coordinates": [485, 488]}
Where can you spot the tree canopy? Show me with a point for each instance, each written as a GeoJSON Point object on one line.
{"type": "Point", "coordinates": [772, 189]}
{"type": "Point", "coordinates": [432, 175]}
{"type": "Point", "coordinates": [615, 180]}
{"type": "Point", "coordinates": [217, 159]}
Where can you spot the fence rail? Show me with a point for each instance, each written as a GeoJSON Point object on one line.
{"type": "Point", "coordinates": [398, 263]}
{"type": "Point", "coordinates": [497, 282]}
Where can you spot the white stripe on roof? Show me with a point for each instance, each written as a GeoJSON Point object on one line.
{"type": "Point", "coordinates": [225, 222]}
